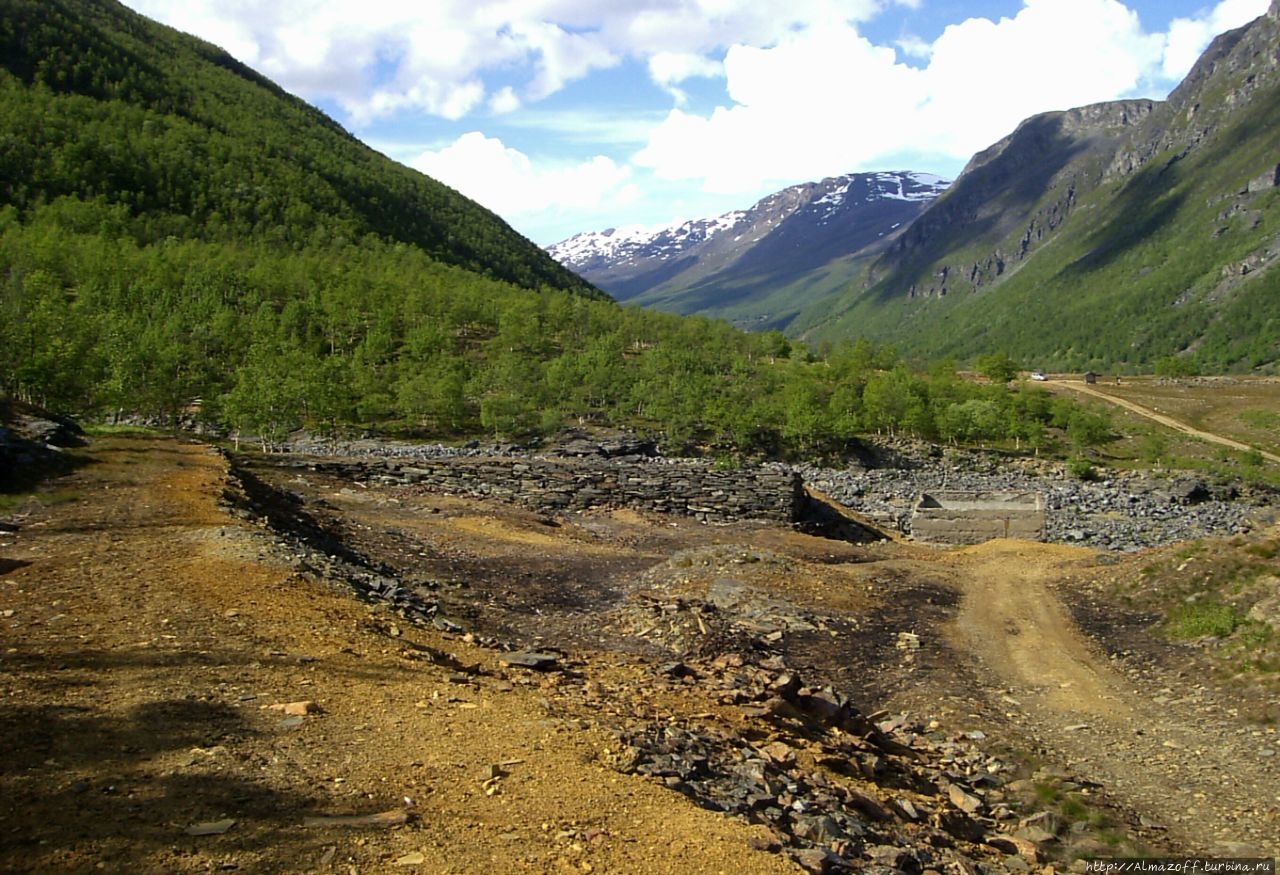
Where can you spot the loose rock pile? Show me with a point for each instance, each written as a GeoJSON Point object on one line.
{"type": "Point", "coordinates": [689, 487]}
{"type": "Point", "coordinates": [1126, 511]}
{"type": "Point", "coordinates": [324, 552]}
{"type": "Point", "coordinates": [31, 438]}
{"type": "Point", "coordinates": [839, 790]}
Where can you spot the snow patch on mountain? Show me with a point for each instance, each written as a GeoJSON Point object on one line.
{"type": "Point", "coordinates": [619, 244]}
{"type": "Point", "coordinates": [821, 201]}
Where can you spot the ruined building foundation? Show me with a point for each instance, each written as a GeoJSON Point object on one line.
{"type": "Point", "coordinates": [974, 517]}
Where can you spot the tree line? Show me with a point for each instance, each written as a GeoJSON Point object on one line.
{"type": "Point", "coordinates": [266, 339]}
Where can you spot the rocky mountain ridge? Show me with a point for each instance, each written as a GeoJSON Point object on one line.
{"type": "Point", "coordinates": [712, 262]}
{"type": "Point", "coordinates": [1167, 262]}
{"type": "Point", "coordinates": [1055, 155]}
{"type": "Point", "coordinates": [1094, 144]}
{"type": "Point", "coordinates": [1133, 231]}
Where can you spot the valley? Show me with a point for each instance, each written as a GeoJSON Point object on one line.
{"type": "Point", "coordinates": [398, 545]}
{"type": "Point", "coordinates": [1242, 406]}
{"type": "Point", "coordinates": [1107, 236]}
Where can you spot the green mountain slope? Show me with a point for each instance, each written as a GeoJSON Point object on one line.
{"type": "Point", "coordinates": [96, 101]}
{"type": "Point", "coordinates": [1112, 236]}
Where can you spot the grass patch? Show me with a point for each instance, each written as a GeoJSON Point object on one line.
{"type": "Point", "coordinates": [1254, 639]}
{"type": "Point", "coordinates": [1074, 809]}
{"type": "Point", "coordinates": [1195, 548]}
{"type": "Point", "coordinates": [1082, 469]}
{"type": "Point", "coordinates": [1268, 419]}
{"type": "Point", "coordinates": [13, 501]}
{"type": "Point", "coordinates": [1201, 619]}
{"type": "Point", "coordinates": [1264, 549]}
{"type": "Point", "coordinates": [1048, 793]}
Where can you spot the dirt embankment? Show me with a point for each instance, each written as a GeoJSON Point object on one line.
{"type": "Point", "coordinates": [151, 640]}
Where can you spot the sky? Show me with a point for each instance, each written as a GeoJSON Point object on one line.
{"type": "Point", "coordinates": [565, 116]}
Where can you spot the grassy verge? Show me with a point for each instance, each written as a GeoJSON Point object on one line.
{"type": "Point", "coordinates": [1223, 597]}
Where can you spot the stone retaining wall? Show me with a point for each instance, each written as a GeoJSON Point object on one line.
{"type": "Point", "coordinates": [690, 487]}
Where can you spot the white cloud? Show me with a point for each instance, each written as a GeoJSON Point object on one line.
{"type": "Point", "coordinates": [607, 129]}
{"type": "Point", "coordinates": [506, 181]}
{"type": "Point", "coordinates": [806, 95]}
{"type": "Point", "coordinates": [826, 101]}
{"type": "Point", "coordinates": [504, 101]}
{"type": "Point", "coordinates": [562, 56]}
{"type": "Point", "coordinates": [914, 47]}
{"type": "Point", "coordinates": [816, 104]}
{"type": "Point", "coordinates": [669, 69]}
{"type": "Point", "coordinates": [377, 58]}
{"type": "Point", "coordinates": [452, 57]}
{"type": "Point", "coordinates": [985, 77]}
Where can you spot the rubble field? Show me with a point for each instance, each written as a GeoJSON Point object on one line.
{"type": "Point", "coordinates": [210, 666]}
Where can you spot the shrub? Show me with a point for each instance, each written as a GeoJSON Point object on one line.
{"type": "Point", "coordinates": [1082, 469]}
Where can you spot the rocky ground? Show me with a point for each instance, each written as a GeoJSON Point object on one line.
{"type": "Point", "coordinates": [256, 668]}
{"type": "Point", "coordinates": [1123, 511]}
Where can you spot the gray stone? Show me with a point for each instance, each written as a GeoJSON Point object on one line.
{"type": "Point", "coordinates": [962, 826]}
{"type": "Point", "coordinates": [817, 861]}
{"type": "Point", "coordinates": [532, 660]}
{"type": "Point", "coordinates": [898, 859]}
{"type": "Point", "coordinates": [211, 828]}
{"type": "Point", "coordinates": [1035, 834]}
{"type": "Point", "coordinates": [692, 487]}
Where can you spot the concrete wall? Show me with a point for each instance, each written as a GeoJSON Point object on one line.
{"type": "Point", "coordinates": [974, 517]}
{"type": "Point", "coordinates": [687, 486]}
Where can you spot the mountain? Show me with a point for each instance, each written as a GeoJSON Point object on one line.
{"type": "Point", "coordinates": [758, 266]}
{"type": "Point", "coordinates": [97, 101]}
{"type": "Point", "coordinates": [1119, 235]}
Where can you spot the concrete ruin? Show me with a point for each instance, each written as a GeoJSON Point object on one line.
{"type": "Point", "coordinates": [973, 517]}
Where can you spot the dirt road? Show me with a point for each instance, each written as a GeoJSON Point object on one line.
{"type": "Point", "coordinates": [1167, 421]}
{"type": "Point", "coordinates": [1187, 766]}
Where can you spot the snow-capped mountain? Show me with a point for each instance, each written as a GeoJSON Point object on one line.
{"type": "Point", "coordinates": [728, 264]}
{"type": "Point", "coordinates": [582, 251]}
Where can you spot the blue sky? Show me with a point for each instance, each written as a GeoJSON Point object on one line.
{"type": "Point", "coordinates": [575, 115]}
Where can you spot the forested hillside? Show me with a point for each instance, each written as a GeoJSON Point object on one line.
{"type": "Point", "coordinates": [379, 334]}
{"type": "Point", "coordinates": [97, 102]}
{"type": "Point", "coordinates": [179, 238]}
